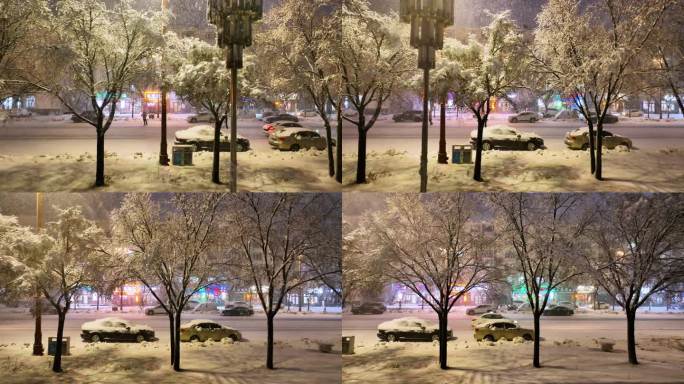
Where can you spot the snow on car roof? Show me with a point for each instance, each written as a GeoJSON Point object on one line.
{"type": "Point", "coordinates": [398, 323]}
{"type": "Point", "coordinates": [195, 322]}
{"type": "Point", "coordinates": [99, 324]}
{"type": "Point", "coordinates": [291, 130]}
{"type": "Point", "coordinates": [205, 132]}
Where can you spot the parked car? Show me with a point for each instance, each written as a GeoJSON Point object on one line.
{"type": "Point", "coordinates": [567, 115]}
{"type": "Point", "coordinates": [550, 113]}
{"type": "Point", "coordinates": [237, 310]}
{"type": "Point", "coordinates": [308, 113]}
{"type": "Point", "coordinates": [294, 139]}
{"type": "Point", "coordinates": [579, 139]}
{"type": "Point", "coordinates": [530, 117]}
{"type": "Point", "coordinates": [205, 307]}
{"type": "Point", "coordinates": [504, 137]}
{"type": "Point", "coordinates": [524, 307]}
{"type": "Point", "coordinates": [281, 117]}
{"type": "Point", "coordinates": [558, 310]}
{"type": "Point", "coordinates": [409, 328]}
{"type": "Point", "coordinates": [370, 308]}
{"type": "Point", "coordinates": [567, 304]}
{"type": "Point", "coordinates": [486, 318]}
{"type": "Point", "coordinates": [415, 116]}
{"type": "Point", "coordinates": [480, 309]}
{"type": "Point", "coordinates": [202, 137]}
{"type": "Point", "coordinates": [602, 305]}
{"type": "Point", "coordinates": [115, 329]}
{"type": "Point", "coordinates": [608, 119]}
{"type": "Point", "coordinates": [634, 113]}
{"type": "Point", "coordinates": [269, 128]}
{"type": "Point", "coordinates": [203, 330]}
{"type": "Point", "coordinates": [156, 310]}
{"type": "Point", "coordinates": [262, 115]}
{"type": "Point", "coordinates": [90, 115]}
{"type": "Point", "coordinates": [202, 117]}
{"type": "Point", "coordinates": [502, 330]}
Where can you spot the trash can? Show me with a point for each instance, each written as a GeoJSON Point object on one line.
{"type": "Point", "coordinates": [462, 154]}
{"type": "Point", "coordinates": [52, 345]}
{"type": "Point", "coordinates": [348, 345]}
{"type": "Point", "coordinates": [182, 154]}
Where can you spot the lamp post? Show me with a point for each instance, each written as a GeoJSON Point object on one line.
{"type": "Point", "coordinates": [428, 18]}
{"type": "Point", "coordinates": [163, 148]}
{"type": "Point", "coordinates": [233, 20]}
{"type": "Point", "coordinates": [37, 309]}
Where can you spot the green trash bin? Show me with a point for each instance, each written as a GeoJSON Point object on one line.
{"type": "Point", "coordinates": [182, 154]}
{"type": "Point", "coordinates": [462, 154]}
{"type": "Point", "coordinates": [52, 345]}
{"type": "Point", "coordinates": [348, 345]}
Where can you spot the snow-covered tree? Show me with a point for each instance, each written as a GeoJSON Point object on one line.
{"type": "Point", "coordinates": [101, 50]}
{"type": "Point", "coordinates": [276, 239]}
{"type": "Point", "coordinates": [171, 246]}
{"type": "Point", "coordinates": [541, 232]}
{"type": "Point", "coordinates": [592, 52]}
{"type": "Point", "coordinates": [667, 50]}
{"type": "Point", "coordinates": [434, 247]}
{"type": "Point", "coordinates": [490, 65]}
{"type": "Point", "coordinates": [204, 81]}
{"type": "Point", "coordinates": [638, 251]}
{"type": "Point", "coordinates": [374, 57]}
{"type": "Point", "coordinates": [362, 274]}
{"type": "Point", "coordinates": [298, 41]}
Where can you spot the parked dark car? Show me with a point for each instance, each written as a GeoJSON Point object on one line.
{"type": "Point", "coordinates": [202, 137]}
{"type": "Point", "coordinates": [237, 310]}
{"type": "Point", "coordinates": [415, 116]}
{"type": "Point", "coordinates": [115, 329]}
{"type": "Point", "coordinates": [281, 117]}
{"type": "Point", "coordinates": [369, 309]}
{"type": "Point", "coordinates": [409, 328]}
{"type": "Point", "coordinates": [90, 115]}
{"type": "Point", "coordinates": [609, 119]}
{"type": "Point", "coordinates": [558, 310]}
{"type": "Point", "coordinates": [505, 137]}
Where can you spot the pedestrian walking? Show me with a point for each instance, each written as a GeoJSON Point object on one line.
{"type": "Point", "coordinates": [144, 116]}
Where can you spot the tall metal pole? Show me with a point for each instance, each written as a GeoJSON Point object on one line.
{"type": "Point", "coordinates": [233, 126]}
{"type": "Point", "coordinates": [37, 309]}
{"type": "Point", "coordinates": [163, 147]}
{"type": "Point", "coordinates": [424, 132]}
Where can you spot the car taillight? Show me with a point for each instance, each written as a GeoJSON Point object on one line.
{"type": "Point", "coordinates": [282, 138]}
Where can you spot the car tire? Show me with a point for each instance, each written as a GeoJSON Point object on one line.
{"type": "Point", "coordinates": [194, 338]}
{"type": "Point", "coordinates": [193, 120]}
{"type": "Point", "coordinates": [527, 337]}
{"type": "Point", "coordinates": [234, 338]}
{"type": "Point", "coordinates": [294, 148]}
{"type": "Point", "coordinates": [435, 337]}
{"type": "Point", "coordinates": [489, 338]}
{"type": "Point", "coordinates": [514, 120]}
{"type": "Point", "coordinates": [239, 148]}
{"type": "Point", "coordinates": [533, 120]}
{"type": "Point", "coordinates": [531, 146]}
{"type": "Point", "coordinates": [391, 337]}
{"type": "Point", "coordinates": [585, 147]}
{"type": "Point", "coordinates": [95, 338]}
{"type": "Point", "coordinates": [487, 146]}
{"type": "Point", "coordinates": [140, 338]}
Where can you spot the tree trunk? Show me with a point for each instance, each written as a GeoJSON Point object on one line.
{"type": "Point", "coordinates": [631, 337]}
{"type": "Point", "coordinates": [424, 132]}
{"type": "Point", "coordinates": [477, 173]}
{"type": "Point", "coordinates": [38, 333]}
{"type": "Point", "coordinates": [537, 340]}
{"type": "Point", "coordinates": [176, 335]}
{"type": "Point", "coordinates": [443, 326]}
{"type": "Point", "coordinates": [338, 172]}
{"type": "Point", "coordinates": [172, 335]}
{"type": "Point", "coordinates": [592, 146]}
{"type": "Point", "coordinates": [331, 156]}
{"type": "Point", "coordinates": [97, 305]}
{"type": "Point", "coordinates": [599, 152]}
{"type": "Point", "coordinates": [57, 363]}
{"type": "Point", "coordinates": [269, 341]}
{"type": "Point", "coordinates": [361, 163]}
{"type": "Point", "coordinates": [99, 165]}
{"type": "Point", "coordinates": [442, 157]}
{"type": "Point", "coordinates": [163, 149]}
{"type": "Point", "coordinates": [233, 127]}
{"type": "Point", "coordinates": [216, 166]}
{"type": "Point", "coordinates": [677, 97]}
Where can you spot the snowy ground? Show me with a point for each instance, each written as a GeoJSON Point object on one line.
{"type": "Point", "coordinates": [569, 353]}
{"type": "Point", "coordinates": [560, 170]}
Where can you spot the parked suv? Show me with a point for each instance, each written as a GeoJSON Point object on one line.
{"type": "Point", "coordinates": [369, 309]}
{"type": "Point", "coordinates": [416, 116]}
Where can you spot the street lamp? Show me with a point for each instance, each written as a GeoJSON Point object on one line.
{"type": "Point", "coordinates": [428, 18]}
{"type": "Point", "coordinates": [163, 149]}
{"type": "Point", "coordinates": [233, 20]}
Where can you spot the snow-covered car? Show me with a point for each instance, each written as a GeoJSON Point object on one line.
{"type": "Point", "coordinates": [502, 330]}
{"type": "Point", "coordinates": [203, 330]}
{"type": "Point", "coordinates": [156, 310]}
{"type": "Point", "coordinates": [308, 113]}
{"type": "Point", "coordinates": [202, 117]}
{"type": "Point", "coordinates": [115, 329]}
{"type": "Point", "coordinates": [567, 115]}
{"type": "Point", "coordinates": [480, 309]}
{"type": "Point", "coordinates": [487, 318]}
{"type": "Point", "coordinates": [550, 113]}
{"type": "Point", "coordinates": [579, 139]}
{"type": "Point", "coordinates": [504, 137]}
{"type": "Point", "coordinates": [558, 310]}
{"type": "Point", "coordinates": [269, 128]}
{"type": "Point", "coordinates": [202, 137]}
{"type": "Point", "coordinates": [529, 117]}
{"type": "Point", "coordinates": [205, 307]}
{"type": "Point", "coordinates": [281, 117]}
{"type": "Point", "coordinates": [369, 308]}
{"type": "Point", "coordinates": [633, 113]}
{"type": "Point", "coordinates": [294, 139]}
{"type": "Point", "coordinates": [409, 328]}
